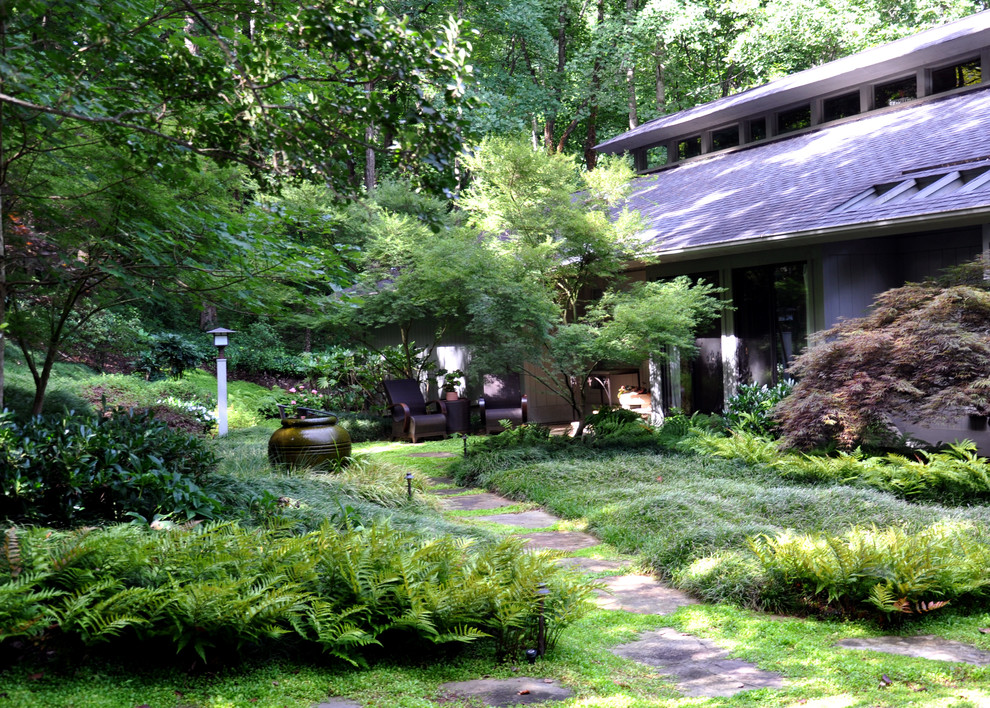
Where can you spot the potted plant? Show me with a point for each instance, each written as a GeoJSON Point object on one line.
{"type": "Point", "coordinates": [450, 381]}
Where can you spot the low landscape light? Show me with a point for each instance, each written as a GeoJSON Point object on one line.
{"type": "Point", "coordinates": [220, 340]}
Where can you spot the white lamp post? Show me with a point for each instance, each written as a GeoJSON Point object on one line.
{"type": "Point", "coordinates": [220, 342]}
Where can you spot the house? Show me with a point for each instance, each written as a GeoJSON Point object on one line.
{"type": "Point", "coordinates": [807, 196]}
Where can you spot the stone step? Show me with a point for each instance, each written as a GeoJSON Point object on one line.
{"type": "Point", "coordinates": [699, 666]}
{"type": "Point", "coordinates": [641, 594]}
{"type": "Point", "coordinates": [508, 692]}
{"type": "Point", "coordinates": [523, 519]}
{"type": "Point", "coordinates": [926, 646]}
{"type": "Point", "coordinates": [471, 502]}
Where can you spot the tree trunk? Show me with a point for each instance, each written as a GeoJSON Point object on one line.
{"type": "Point", "coordinates": [551, 125]}
{"type": "Point", "coordinates": [661, 87]}
{"type": "Point", "coordinates": [369, 151]}
{"type": "Point", "coordinates": [591, 139]}
{"type": "Point", "coordinates": [631, 64]}
{"type": "Point", "coordinates": [3, 240]}
{"type": "Point", "coordinates": [208, 317]}
{"type": "Point", "coordinates": [42, 377]}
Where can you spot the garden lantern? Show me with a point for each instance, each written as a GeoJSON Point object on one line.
{"type": "Point", "coordinates": [220, 339]}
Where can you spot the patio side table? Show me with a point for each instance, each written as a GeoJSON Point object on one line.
{"type": "Point", "coordinates": [458, 416]}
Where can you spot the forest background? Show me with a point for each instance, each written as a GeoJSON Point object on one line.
{"type": "Point", "coordinates": [166, 167]}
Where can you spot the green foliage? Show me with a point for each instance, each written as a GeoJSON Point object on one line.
{"type": "Point", "coordinates": [170, 355]}
{"type": "Point", "coordinates": [77, 468]}
{"type": "Point", "coordinates": [221, 587]}
{"type": "Point", "coordinates": [955, 474]}
{"type": "Point", "coordinates": [363, 428]}
{"type": "Point", "coordinates": [891, 571]}
{"type": "Point", "coordinates": [618, 422]}
{"type": "Point", "coordinates": [752, 407]}
{"type": "Point", "coordinates": [261, 349]}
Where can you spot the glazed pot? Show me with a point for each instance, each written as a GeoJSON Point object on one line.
{"type": "Point", "coordinates": [309, 442]}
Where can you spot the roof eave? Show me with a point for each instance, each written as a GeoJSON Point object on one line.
{"type": "Point", "coordinates": [873, 229]}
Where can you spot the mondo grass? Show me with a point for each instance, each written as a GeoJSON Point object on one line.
{"type": "Point", "coordinates": [691, 517]}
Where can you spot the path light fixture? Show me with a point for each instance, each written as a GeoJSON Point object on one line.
{"type": "Point", "coordinates": [220, 339]}
{"type": "Point", "coordinates": [409, 484]}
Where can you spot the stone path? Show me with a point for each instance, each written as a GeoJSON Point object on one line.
{"type": "Point", "coordinates": [524, 519]}
{"type": "Point", "coordinates": [925, 646]}
{"type": "Point", "coordinates": [472, 502]}
{"type": "Point", "coordinates": [699, 667]}
{"type": "Point", "coordinates": [641, 594]}
{"type": "Point", "coordinates": [509, 692]}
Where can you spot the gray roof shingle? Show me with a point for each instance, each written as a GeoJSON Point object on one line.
{"type": "Point", "coordinates": [790, 186]}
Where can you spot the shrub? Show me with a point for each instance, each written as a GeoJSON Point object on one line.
{"type": "Point", "coordinates": [74, 468]}
{"type": "Point", "coordinates": [726, 576]}
{"type": "Point", "coordinates": [220, 586]}
{"type": "Point", "coordinates": [170, 355]}
{"type": "Point", "coordinates": [921, 355]}
{"type": "Point", "coordinates": [260, 349]}
{"type": "Point", "coordinates": [891, 571]}
{"type": "Point", "coordinates": [618, 422]}
{"type": "Point", "coordinates": [753, 407]}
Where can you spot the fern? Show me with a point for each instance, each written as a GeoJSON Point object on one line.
{"type": "Point", "coordinates": [892, 570]}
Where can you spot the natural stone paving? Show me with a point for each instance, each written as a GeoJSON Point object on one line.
{"type": "Point", "coordinates": [641, 594]}
{"type": "Point", "coordinates": [441, 480]}
{"type": "Point", "coordinates": [470, 502]}
{"type": "Point", "coordinates": [561, 540]}
{"type": "Point", "coordinates": [338, 703]}
{"type": "Point", "coordinates": [447, 491]}
{"type": "Point", "coordinates": [700, 667]}
{"type": "Point", "coordinates": [524, 520]}
{"type": "Point", "coordinates": [592, 565]}
{"type": "Point", "coordinates": [509, 692]}
{"type": "Point", "coordinates": [925, 646]}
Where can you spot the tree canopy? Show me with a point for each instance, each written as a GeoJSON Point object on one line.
{"type": "Point", "coordinates": [112, 113]}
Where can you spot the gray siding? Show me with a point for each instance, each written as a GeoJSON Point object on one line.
{"type": "Point", "coordinates": [854, 272]}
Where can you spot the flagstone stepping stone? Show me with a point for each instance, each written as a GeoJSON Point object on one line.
{"type": "Point", "coordinates": [337, 703]}
{"type": "Point", "coordinates": [592, 565]}
{"type": "Point", "coordinates": [448, 491]}
{"type": "Point", "coordinates": [560, 540]}
{"type": "Point", "coordinates": [925, 646]}
{"type": "Point", "coordinates": [525, 519]}
{"type": "Point", "coordinates": [470, 502]}
{"type": "Point", "coordinates": [509, 692]}
{"type": "Point", "coordinates": [431, 454]}
{"type": "Point", "coordinates": [700, 667]}
{"type": "Point", "coordinates": [641, 594]}
{"type": "Point", "coordinates": [441, 480]}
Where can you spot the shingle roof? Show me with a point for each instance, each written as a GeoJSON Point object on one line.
{"type": "Point", "coordinates": [963, 35]}
{"type": "Point", "coordinates": [791, 186]}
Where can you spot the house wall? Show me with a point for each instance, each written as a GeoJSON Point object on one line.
{"type": "Point", "coordinates": [854, 272]}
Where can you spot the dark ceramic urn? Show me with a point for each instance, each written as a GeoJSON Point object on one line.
{"type": "Point", "coordinates": [309, 442]}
